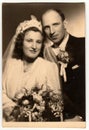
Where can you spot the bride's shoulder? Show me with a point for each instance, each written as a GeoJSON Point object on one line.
{"type": "Point", "coordinates": [45, 62]}
{"type": "Point", "coordinates": [13, 61]}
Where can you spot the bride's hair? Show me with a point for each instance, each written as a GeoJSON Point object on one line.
{"type": "Point", "coordinates": [15, 46]}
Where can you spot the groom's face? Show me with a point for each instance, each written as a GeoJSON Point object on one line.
{"type": "Point", "coordinates": [53, 25]}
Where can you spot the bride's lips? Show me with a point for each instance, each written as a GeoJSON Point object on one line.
{"type": "Point", "coordinates": [33, 51]}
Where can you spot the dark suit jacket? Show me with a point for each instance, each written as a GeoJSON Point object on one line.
{"type": "Point", "coordinates": [74, 88]}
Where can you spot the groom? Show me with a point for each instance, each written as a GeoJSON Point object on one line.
{"type": "Point", "coordinates": [68, 52]}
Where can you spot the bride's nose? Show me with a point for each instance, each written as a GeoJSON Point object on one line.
{"type": "Point", "coordinates": [34, 46]}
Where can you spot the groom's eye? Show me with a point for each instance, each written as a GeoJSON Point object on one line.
{"type": "Point", "coordinates": [46, 28]}
{"type": "Point", "coordinates": [55, 24]}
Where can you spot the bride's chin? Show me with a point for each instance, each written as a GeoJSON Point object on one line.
{"type": "Point", "coordinates": [29, 59]}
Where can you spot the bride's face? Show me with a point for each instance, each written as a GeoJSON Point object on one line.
{"type": "Point", "coordinates": [32, 44]}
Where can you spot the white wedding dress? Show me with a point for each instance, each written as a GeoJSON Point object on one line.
{"type": "Point", "coordinates": [40, 73]}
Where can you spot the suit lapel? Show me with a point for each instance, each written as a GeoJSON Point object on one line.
{"type": "Point", "coordinates": [70, 48]}
{"type": "Point", "coordinates": [69, 44]}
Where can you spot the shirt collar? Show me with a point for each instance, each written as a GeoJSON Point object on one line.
{"type": "Point", "coordinates": [62, 46]}
{"type": "Point", "coordinates": [63, 43]}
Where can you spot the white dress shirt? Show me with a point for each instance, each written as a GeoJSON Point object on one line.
{"type": "Point", "coordinates": [62, 47]}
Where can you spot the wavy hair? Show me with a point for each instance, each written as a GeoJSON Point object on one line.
{"type": "Point", "coordinates": [18, 50]}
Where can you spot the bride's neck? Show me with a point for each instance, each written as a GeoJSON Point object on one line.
{"type": "Point", "coordinates": [28, 63]}
{"type": "Point", "coordinates": [28, 60]}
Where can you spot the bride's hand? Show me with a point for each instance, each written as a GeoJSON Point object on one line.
{"type": "Point", "coordinates": [76, 118]}
{"type": "Point", "coordinates": [7, 114]}
{"type": "Point", "coordinates": [7, 109]}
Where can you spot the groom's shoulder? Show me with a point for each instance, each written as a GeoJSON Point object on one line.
{"type": "Point", "coordinates": [77, 41]}
{"type": "Point", "coordinates": [74, 38]}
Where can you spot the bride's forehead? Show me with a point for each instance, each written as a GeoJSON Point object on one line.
{"type": "Point", "coordinates": [32, 33]}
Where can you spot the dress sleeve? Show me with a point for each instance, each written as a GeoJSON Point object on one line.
{"type": "Point", "coordinates": [53, 78]}
{"type": "Point", "coordinates": [6, 101]}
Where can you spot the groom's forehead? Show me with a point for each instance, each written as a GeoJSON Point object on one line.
{"type": "Point", "coordinates": [50, 17]}
{"type": "Point", "coordinates": [50, 13]}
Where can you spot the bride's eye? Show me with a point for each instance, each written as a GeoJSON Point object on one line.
{"type": "Point", "coordinates": [39, 41]}
{"type": "Point", "coordinates": [29, 40]}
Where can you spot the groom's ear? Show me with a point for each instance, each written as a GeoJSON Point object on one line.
{"type": "Point", "coordinates": [65, 22]}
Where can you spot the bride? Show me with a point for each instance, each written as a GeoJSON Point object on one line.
{"type": "Point", "coordinates": [24, 68]}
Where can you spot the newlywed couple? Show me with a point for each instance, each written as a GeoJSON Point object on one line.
{"type": "Point", "coordinates": [55, 60]}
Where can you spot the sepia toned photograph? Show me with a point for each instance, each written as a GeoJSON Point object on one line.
{"type": "Point", "coordinates": [43, 65]}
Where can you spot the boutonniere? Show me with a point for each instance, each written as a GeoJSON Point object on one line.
{"type": "Point", "coordinates": [63, 59]}
{"type": "Point", "coordinates": [63, 56]}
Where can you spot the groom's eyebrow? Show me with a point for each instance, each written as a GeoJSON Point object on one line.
{"type": "Point", "coordinates": [46, 26]}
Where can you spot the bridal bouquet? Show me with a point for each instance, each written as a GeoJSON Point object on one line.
{"type": "Point", "coordinates": [37, 105]}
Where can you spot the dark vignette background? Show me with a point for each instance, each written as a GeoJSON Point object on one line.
{"type": "Point", "coordinates": [14, 13]}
